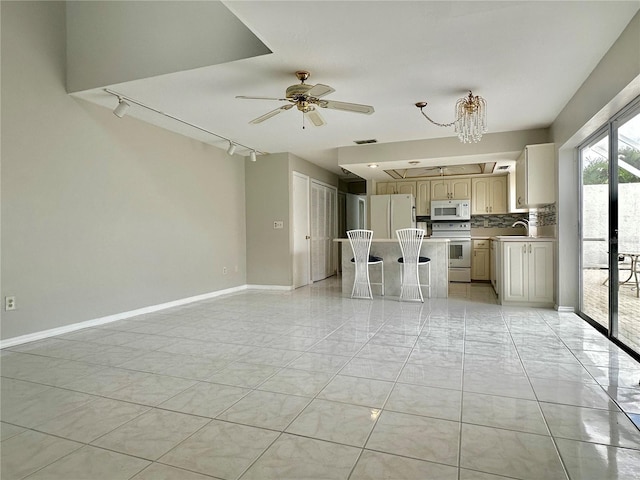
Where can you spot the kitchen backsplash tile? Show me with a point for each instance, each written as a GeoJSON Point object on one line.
{"type": "Point", "coordinates": [496, 221]}
{"type": "Point", "coordinates": [544, 216]}
{"type": "Point", "coordinates": [538, 217]}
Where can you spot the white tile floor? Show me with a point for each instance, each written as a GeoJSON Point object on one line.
{"type": "Point", "coordinates": [312, 385]}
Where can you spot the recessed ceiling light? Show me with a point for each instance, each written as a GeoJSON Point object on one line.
{"type": "Point", "coordinates": [373, 165]}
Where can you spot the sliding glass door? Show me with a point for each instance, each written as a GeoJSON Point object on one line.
{"type": "Point", "coordinates": [610, 227]}
{"type": "Point", "coordinates": [594, 158]}
{"type": "Point", "coordinates": [628, 143]}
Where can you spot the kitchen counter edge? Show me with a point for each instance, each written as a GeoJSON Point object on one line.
{"type": "Point", "coordinates": [521, 238]}
{"type": "Point", "coordinates": [395, 240]}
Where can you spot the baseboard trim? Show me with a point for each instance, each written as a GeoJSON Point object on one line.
{"type": "Point", "coordinates": [282, 288]}
{"type": "Point", "coordinates": [31, 337]}
{"type": "Point", "coordinates": [564, 309]}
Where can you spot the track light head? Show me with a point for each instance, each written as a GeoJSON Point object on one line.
{"type": "Point", "coordinates": [121, 109]}
{"type": "Point", "coordinates": [232, 148]}
{"type": "Point", "coordinates": [252, 155]}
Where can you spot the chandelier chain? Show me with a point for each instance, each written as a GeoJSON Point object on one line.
{"type": "Point", "coordinates": [440, 124]}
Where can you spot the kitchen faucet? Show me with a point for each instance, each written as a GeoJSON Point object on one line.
{"type": "Point", "coordinates": [524, 222]}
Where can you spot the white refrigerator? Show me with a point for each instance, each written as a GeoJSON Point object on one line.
{"type": "Point", "coordinates": [390, 213]}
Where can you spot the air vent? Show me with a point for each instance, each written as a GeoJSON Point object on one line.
{"type": "Point", "coordinates": [503, 167]}
{"type": "Point", "coordinates": [364, 142]}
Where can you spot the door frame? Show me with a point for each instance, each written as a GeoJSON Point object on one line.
{"type": "Point", "coordinates": [610, 129]}
{"type": "Point", "coordinates": [297, 240]}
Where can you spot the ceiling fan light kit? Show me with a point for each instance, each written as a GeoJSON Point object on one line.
{"type": "Point", "coordinates": [471, 118]}
{"type": "Point", "coordinates": [306, 98]}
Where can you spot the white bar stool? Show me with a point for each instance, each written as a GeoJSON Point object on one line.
{"type": "Point", "coordinates": [410, 242]}
{"type": "Point", "coordinates": [361, 244]}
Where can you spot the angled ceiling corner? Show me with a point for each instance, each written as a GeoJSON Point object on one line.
{"type": "Point", "coordinates": [115, 42]}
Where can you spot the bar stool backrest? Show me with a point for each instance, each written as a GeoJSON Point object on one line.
{"type": "Point", "coordinates": [410, 242]}
{"type": "Point", "coordinates": [361, 244]}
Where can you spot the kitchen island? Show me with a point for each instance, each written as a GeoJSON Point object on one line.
{"type": "Point", "coordinates": [437, 249]}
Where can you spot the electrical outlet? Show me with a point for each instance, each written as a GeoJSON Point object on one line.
{"type": "Point", "coordinates": [224, 270]}
{"type": "Point", "coordinates": [278, 224]}
{"type": "Point", "coordinates": [486, 222]}
{"type": "Point", "coordinates": [10, 303]}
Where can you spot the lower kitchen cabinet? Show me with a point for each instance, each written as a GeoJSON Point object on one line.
{"type": "Point", "coordinates": [527, 273]}
{"type": "Point", "coordinates": [480, 264]}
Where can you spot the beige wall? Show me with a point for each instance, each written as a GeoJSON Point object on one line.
{"type": "Point", "coordinates": [297, 164]}
{"type": "Point", "coordinates": [269, 198]}
{"type": "Point", "coordinates": [445, 148]}
{"type": "Point", "coordinates": [101, 215]}
{"type": "Point", "coordinates": [613, 83]}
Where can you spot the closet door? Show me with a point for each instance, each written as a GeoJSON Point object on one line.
{"type": "Point", "coordinates": [323, 217]}
{"type": "Point", "coordinates": [318, 213]}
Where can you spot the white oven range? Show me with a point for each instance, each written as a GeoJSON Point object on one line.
{"type": "Point", "coordinates": [459, 234]}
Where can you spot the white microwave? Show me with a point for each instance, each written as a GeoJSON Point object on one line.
{"type": "Point", "coordinates": [450, 210]}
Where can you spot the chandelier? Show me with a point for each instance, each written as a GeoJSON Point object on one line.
{"type": "Point", "coordinates": [471, 118]}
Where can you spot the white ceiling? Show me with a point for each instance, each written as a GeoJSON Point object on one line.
{"type": "Point", "coordinates": [527, 59]}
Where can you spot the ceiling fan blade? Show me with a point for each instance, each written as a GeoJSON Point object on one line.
{"type": "Point", "coordinates": [244, 97]}
{"type": "Point", "coordinates": [315, 118]}
{"type": "Point", "coordinates": [320, 90]}
{"type": "Point", "coordinates": [348, 107]}
{"type": "Point", "coordinates": [270, 114]}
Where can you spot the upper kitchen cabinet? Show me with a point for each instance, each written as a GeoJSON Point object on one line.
{"type": "Point", "coordinates": [489, 195]}
{"type": "Point", "coordinates": [407, 187]}
{"type": "Point", "coordinates": [423, 198]}
{"type": "Point", "coordinates": [535, 176]}
{"type": "Point", "coordinates": [451, 189]}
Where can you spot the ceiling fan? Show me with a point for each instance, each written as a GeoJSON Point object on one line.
{"type": "Point", "coordinates": [306, 98]}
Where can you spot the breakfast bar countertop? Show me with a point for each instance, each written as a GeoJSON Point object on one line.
{"type": "Point", "coordinates": [437, 249]}
{"type": "Point", "coordinates": [395, 240]}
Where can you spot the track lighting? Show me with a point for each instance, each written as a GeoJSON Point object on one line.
{"type": "Point", "coordinates": [125, 102]}
{"type": "Point", "coordinates": [121, 109]}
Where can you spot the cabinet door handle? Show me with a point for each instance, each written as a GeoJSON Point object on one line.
{"type": "Point", "coordinates": [491, 209]}
{"type": "Point", "coordinates": [529, 248]}
{"type": "Point", "coordinates": [524, 249]}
